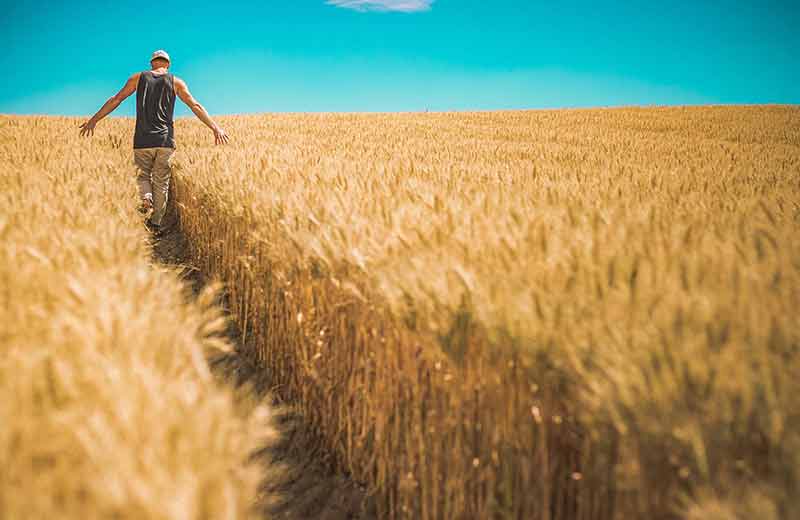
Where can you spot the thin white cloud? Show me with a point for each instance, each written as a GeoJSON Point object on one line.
{"type": "Point", "coordinates": [403, 6]}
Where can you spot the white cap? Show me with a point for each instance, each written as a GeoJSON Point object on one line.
{"type": "Point", "coordinates": [160, 54]}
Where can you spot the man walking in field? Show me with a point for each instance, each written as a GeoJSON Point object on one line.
{"type": "Point", "coordinates": [154, 137]}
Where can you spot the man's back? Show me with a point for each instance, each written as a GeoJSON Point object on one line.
{"type": "Point", "coordinates": [155, 105]}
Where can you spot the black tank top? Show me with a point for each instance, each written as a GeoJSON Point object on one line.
{"type": "Point", "coordinates": [155, 104]}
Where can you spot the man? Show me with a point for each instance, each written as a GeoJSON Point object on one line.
{"type": "Point", "coordinates": [154, 137]}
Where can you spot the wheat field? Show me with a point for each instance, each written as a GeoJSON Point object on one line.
{"type": "Point", "coordinates": [107, 405]}
{"type": "Point", "coordinates": [575, 314]}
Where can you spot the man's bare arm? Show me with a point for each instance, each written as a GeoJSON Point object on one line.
{"type": "Point", "coordinates": [220, 137]}
{"type": "Point", "coordinates": [109, 106]}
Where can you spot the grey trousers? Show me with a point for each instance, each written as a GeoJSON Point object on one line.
{"type": "Point", "coordinates": [154, 169]}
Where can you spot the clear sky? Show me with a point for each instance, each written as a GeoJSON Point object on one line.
{"type": "Point", "coordinates": [63, 57]}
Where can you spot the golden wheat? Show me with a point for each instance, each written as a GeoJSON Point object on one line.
{"type": "Point", "coordinates": [107, 405]}
{"type": "Point", "coordinates": [558, 314]}
{"type": "Point", "coordinates": [549, 314]}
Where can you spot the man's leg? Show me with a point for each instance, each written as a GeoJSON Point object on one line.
{"type": "Point", "coordinates": [162, 171]}
{"type": "Point", "coordinates": [144, 159]}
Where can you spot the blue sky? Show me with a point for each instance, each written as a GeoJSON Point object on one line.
{"type": "Point", "coordinates": [403, 55]}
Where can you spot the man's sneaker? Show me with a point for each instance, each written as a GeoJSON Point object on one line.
{"type": "Point", "coordinates": [154, 229]}
{"type": "Point", "coordinates": [145, 206]}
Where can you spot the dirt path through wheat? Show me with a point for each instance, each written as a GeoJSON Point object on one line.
{"type": "Point", "coordinates": [309, 489]}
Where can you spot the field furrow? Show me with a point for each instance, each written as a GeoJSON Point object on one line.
{"type": "Point", "coordinates": [548, 314]}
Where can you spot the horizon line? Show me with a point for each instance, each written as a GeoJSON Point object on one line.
{"type": "Point", "coordinates": [434, 111]}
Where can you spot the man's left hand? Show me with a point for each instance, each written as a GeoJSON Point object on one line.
{"type": "Point", "coordinates": [87, 128]}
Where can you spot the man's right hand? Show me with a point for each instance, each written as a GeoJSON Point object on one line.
{"type": "Point", "coordinates": [220, 137]}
